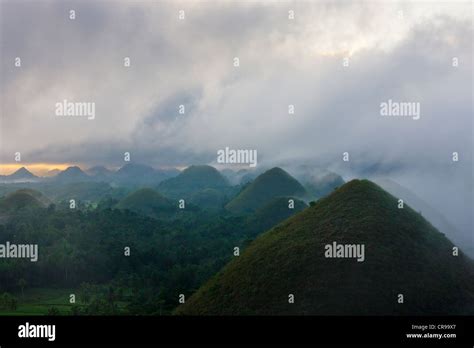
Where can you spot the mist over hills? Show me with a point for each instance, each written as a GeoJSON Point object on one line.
{"type": "Point", "coordinates": [206, 187]}
{"type": "Point", "coordinates": [52, 172]}
{"type": "Point", "coordinates": [21, 175]}
{"type": "Point", "coordinates": [130, 174]}
{"type": "Point", "coordinates": [404, 254]}
{"type": "Point", "coordinates": [140, 174]}
{"type": "Point", "coordinates": [72, 174]}
{"type": "Point", "coordinates": [241, 176]}
{"type": "Point", "coordinates": [320, 186]}
{"type": "Point", "coordinates": [435, 217]}
{"type": "Point", "coordinates": [99, 171]}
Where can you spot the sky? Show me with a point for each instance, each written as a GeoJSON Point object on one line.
{"type": "Point", "coordinates": [400, 51]}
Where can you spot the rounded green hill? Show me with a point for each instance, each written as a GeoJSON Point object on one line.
{"type": "Point", "coordinates": [267, 186]}
{"type": "Point", "coordinates": [21, 199]}
{"type": "Point", "coordinates": [193, 179]}
{"type": "Point", "coordinates": [146, 201]}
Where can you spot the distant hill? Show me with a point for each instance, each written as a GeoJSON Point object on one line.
{"type": "Point", "coordinates": [21, 175]}
{"type": "Point", "coordinates": [241, 176]}
{"type": "Point", "coordinates": [274, 212]}
{"type": "Point", "coordinates": [130, 170]}
{"type": "Point", "coordinates": [248, 176]}
{"type": "Point", "coordinates": [267, 186]}
{"type": "Point", "coordinates": [72, 174]}
{"type": "Point", "coordinates": [45, 201]}
{"type": "Point", "coordinates": [100, 171]}
{"type": "Point", "coordinates": [193, 179]}
{"type": "Point", "coordinates": [147, 202]}
{"type": "Point", "coordinates": [141, 174]}
{"type": "Point", "coordinates": [52, 172]}
{"type": "Point", "coordinates": [21, 199]}
{"type": "Point", "coordinates": [403, 254]}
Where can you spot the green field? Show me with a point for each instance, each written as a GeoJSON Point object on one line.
{"type": "Point", "coordinates": [37, 301]}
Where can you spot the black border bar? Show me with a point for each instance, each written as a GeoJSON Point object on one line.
{"type": "Point", "coordinates": [135, 330]}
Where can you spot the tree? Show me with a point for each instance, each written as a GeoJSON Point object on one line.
{"type": "Point", "coordinates": [85, 292]}
{"type": "Point", "coordinates": [75, 310]}
{"type": "Point", "coordinates": [13, 303]}
{"type": "Point", "coordinates": [53, 311]}
{"type": "Point", "coordinates": [22, 284]}
{"type": "Point", "coordinates": [8, 302]}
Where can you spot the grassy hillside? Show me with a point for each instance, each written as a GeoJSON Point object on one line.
{"type": "Point", "coordinates": [45, 201]}
{"type": "Point", "coordinates": [147, 202]}
{"type": "Point", "coordinates": [274, 212]}
{"type": "Point", "coordinates": [404, 254]}
{"type": "Point", "coordinates": [267, 186]}
{"type": "Point", "coordinates": [21, 199]}
{"type": "Point", "coordinates": [192, 180]}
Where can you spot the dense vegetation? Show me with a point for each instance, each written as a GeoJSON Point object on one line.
{"type": "Point", "coordinates": [167, 258]}
{"type": "Point", "coordinates": [82, 251]}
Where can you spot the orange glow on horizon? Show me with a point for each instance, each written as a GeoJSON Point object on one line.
{"type": "Point", "coordinates": [39, 169]}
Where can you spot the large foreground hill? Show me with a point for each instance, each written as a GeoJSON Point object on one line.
{"type": "Point", "coordinates": [405, 257]}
